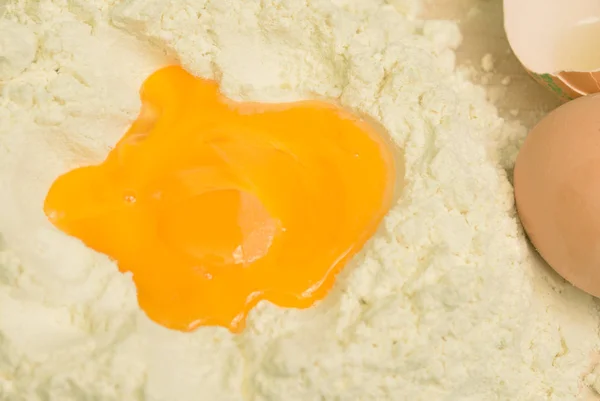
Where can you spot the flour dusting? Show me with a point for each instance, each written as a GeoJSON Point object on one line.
{"type": "Point", "coordinates": [447, 302]}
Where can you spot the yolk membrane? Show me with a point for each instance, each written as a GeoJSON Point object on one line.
{"type": "Point", "coordinates": [214, 205]}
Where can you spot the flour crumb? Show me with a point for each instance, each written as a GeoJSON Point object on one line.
{"type": "Point", "coordinates": [487, 63]}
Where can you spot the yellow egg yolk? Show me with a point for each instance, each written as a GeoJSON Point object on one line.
{"type": "Point", "coordinates": [214, 205]}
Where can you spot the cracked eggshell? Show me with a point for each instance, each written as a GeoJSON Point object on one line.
{"type": "Point", "coordinates": [556, 41]}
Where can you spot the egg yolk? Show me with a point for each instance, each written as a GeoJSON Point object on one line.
{"type": "Point", "coordinates": [214, 205]}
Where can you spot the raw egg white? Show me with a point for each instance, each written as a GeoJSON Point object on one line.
{"type": "Point", "coordinates": [557, 190]}
{"type": "Point", "coordinates": [215, 205]}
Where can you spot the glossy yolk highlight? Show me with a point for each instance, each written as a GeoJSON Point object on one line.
{"type": "Point", "coordinates": [215, 205]}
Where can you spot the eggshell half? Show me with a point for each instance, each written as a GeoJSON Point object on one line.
{"type": "Point", "coordinates": [556, 41]}
{"type": "Point", "coordinates": [557, 190]}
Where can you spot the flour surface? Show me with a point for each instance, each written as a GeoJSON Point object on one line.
{"type": "Point", "coordinates": [446, 303]}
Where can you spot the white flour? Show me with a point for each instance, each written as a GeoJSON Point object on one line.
{"type": "Point", "coordinates": [446, 303]}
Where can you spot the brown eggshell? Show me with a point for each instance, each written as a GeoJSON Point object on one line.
{"type": "Point", "coordinates": [557, 190]}
{"type": "Point", "coordinates": [569, 85]}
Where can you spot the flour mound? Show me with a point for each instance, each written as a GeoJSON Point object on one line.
{"type": "Point", "coordinates": [446, 302]}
